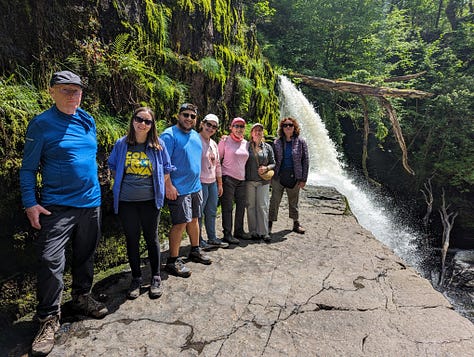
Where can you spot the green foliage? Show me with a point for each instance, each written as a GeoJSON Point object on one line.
{"type": "Point", "coordinates": [245, 88]}
{"type": "Point", "coordinates": [109, 129]}
{"type": "Point", "coordinates": [211, 67]}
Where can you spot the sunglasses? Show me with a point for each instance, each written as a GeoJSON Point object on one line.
{"type": "Point", "coordinates": [289, 125]}
{"type": "Point", "coordinates": [238, 126]}
{"type": "Point", "coordinates": [141, 120]}
{"type": "Point", "coordinates": [187, 115]}
{"type": "Point", "coordinates": [209, 125]}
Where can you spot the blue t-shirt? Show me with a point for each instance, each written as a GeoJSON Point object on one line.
{"type": "Point", "coordinates": [185, 152]}
{"type": "Point", "coordinates": [287, 163]}
{"type": "Point", "coordinates": [63, 147]}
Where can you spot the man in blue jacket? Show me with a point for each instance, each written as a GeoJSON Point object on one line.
{"type": "Point", "coordinates": [61, 144]}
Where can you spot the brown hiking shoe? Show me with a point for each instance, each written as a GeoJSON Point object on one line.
{"type": "Point", "coordinates": [297, 228]}
{"type": "Point", "coordinates": [88, 306]}
{"type": "Point", "coordinates": [44, 340]}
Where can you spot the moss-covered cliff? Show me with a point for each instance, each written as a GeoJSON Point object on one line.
{"type": "Point", "coordinates": [130, 53]}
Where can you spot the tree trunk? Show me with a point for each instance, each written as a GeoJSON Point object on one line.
{"type": "Point", "coordinates": [359, 88]}
{"type": "Point", "coordinates": [397, 130]}
{"type": "Point", "coordinates": [448, 220]}
{"type": "Point", "coordinates": [428, 195]}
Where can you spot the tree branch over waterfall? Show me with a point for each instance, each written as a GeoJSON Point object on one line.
{"type": "Point", "coordinates": [360, 88]}
{"type": "Point", "coordinates": [381, 93]}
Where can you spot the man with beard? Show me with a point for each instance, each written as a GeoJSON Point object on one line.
{"type": "Point", "coordinates": [183, 189]}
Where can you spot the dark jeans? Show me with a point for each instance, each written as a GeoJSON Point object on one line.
{"type": "Point", "coordinates": [82, 227]}
{"type": "Point", "coordinates": [233, 189]}
{"type": "Point", "coordinates": [135, 217]}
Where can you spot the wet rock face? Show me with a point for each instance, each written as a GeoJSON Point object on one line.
{"type": "Point", "coordinates": [463, 270]}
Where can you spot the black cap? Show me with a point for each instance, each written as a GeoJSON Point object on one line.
{"type": "Point", "coordinates": [65, 77]}
{"type": "Point", "coordinates": [188, 106]}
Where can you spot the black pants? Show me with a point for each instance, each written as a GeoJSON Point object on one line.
{"type": "Point", "coordinates": [82, 227]}
{"type": "Point", "coordinates": [135, 217]}
{"type": "Point", "coordinates": [234, 190]}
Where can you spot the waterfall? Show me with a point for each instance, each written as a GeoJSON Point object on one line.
{"type": "Point", "coordinates": [326, 169]}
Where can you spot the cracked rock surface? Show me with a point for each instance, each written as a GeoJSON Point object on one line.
{"type": "Point", "coordinates": [334, 291]}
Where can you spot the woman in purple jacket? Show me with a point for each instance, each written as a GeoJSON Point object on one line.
{"type": "Point", "coordinates": [139, 163]}
{"type": "Point", "coordinates": [291, 171]}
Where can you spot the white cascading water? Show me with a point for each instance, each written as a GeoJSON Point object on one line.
{"type": "Point", "coordinates": [327, 170]}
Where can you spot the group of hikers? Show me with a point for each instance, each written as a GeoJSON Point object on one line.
{"type": "Point", "coordinates": [181, 168]}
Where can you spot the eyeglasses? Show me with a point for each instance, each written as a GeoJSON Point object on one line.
{"type": "Point", "coordinates": [70, 92]}
{"type": "Point", "coordinates": [187, 115]}
{"type": "Point", "coordinates": [287, 125]}
{"type": "Point", "coordinates": [141, 120]}
{"type": "Point", "coordinates": [209, 125]}
{"type": "Point", "coordinates": [237, 126]}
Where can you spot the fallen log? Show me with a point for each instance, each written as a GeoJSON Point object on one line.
{"type": "Point", "coordinates": [359, 88]}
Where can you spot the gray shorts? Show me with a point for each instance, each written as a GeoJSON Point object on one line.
{"type": "Point", "coordinates": [185, 208]}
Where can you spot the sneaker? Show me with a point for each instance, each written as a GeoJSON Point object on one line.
{"type": "Point", "coordinates": [229, 239]}
{"type": "Point", "coordinates": [44, 340]}
{"type": "Point", "coordinates": [178, 268]}
{"type": "Point", "coordinates": [156, 288]}
{"type": "Point", "coordinates": [134, 289]}
{"type": "Point", "coordinates": [218, 243]}
{"type": "Point", "coordinates": [205, 245]}
{"type": "Point", "coordinates": [88, 306]}
{"type": "Point", "coordinates": [267, 238]}
{"type": "Point", "coordinates": [198, 257]}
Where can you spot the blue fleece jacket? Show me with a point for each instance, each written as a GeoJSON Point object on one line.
{"type": "Point", "coordinates": [160, 162]}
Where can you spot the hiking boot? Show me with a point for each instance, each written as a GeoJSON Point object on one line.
{"type": "Point", "coordinates": [218, 243]}
{"type": "Point", "coordinates": [297, 228]}
{"type": "Point", "coordinates": [229, 239]}
{"type": "Point", "coordinates": [156, 288]}
{"type": "Point", "coordinates": [197, 256]}
{"type": "Point", "coordinates": [134, 289]}
{"type": "Point", "coordinates": [87, 305]}
{"type": "Point", "coordinates": [178, 268]}
{"type": "Point", "coordinates": [44, 339]}
{"type": "Point", "coordinates": [242, 235]}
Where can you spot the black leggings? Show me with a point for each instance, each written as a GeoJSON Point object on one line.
{"type": "Point", "coordinates": [135, 217]}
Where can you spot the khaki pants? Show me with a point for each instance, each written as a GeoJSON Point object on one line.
{"type": "Point", "coordinates": [277, 193]}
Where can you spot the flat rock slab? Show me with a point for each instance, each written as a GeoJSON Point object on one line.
{"type": "Point", "coordinates": [334, 291]}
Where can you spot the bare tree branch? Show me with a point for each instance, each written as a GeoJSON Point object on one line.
{"type": "Point", "coordinates": [428, 195]}
{"type": "Point", "coordinates": [448, 221]}
{"type": "Point", "coordinates": [404, 78]}
{"type": "Point", "coordinates": [397, 130]}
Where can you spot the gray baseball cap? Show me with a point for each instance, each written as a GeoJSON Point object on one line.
{"type": "Point", "coordinates": [65, 77]}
